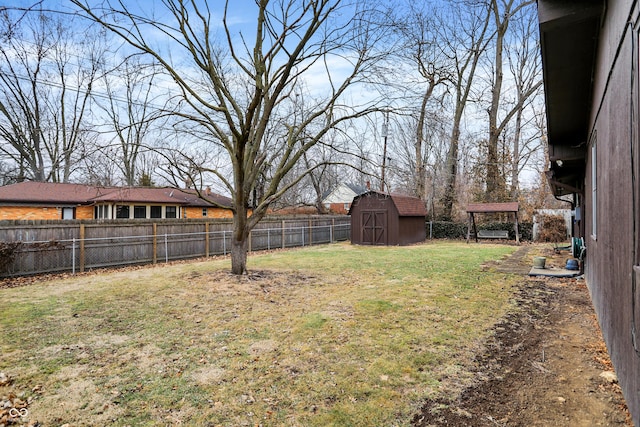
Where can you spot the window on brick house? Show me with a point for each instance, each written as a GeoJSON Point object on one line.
{"type": "Point", "coordinates": [122, 211]}
{"type": "Point", "coordinates": [139, 211]}
{"type": "Point", "coordinates": [156, 211]}
{"type": "Point", "coordinates": [68, 213]}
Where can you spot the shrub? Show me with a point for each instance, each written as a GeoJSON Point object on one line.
{"type": "Point", "coordinates": [8, 251]}
{"type": "Point", "coordinates": [458, 230]}
{"type": "Point", "coordinates": [447, 230]}
{"type": "Point", "coordinates": [552, 228]}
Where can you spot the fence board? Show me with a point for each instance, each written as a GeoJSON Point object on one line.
{"type": "Point", "coordinates": [56, 246]}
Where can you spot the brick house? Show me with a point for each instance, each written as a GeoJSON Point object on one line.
{"type": "Point", "coordinates": [51, 201]}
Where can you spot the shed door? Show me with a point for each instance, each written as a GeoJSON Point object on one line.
{"type": "Point", "coordinates": [374, 227]}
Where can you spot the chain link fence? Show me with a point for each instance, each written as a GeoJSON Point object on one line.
{"type": "Point", "coordinates": [91, 245]}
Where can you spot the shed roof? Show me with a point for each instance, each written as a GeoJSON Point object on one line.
{"type": "Point", "coordinates": [406, 205]}
{"type": "Point", "coordinates": [492, 207]}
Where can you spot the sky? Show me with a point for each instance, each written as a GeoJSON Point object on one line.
{"type": "Point", "coordinates": [242, 26]}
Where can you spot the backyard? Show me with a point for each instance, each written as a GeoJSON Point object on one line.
{"type": "Point", "coordinates": [330, 335]}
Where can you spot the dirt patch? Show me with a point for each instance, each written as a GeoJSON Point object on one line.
{"type": "Point", "coordinates": [545, 365]}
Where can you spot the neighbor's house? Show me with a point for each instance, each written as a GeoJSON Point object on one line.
{"type": "Point", "coordinates": [338, 200]}
{"type": "Point", "coordinates": [591, 65]}
{"type": "Point", "coordinates": [50, 201]}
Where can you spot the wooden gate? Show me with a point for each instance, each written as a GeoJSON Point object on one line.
{"type": "Point", "coordinates": [374, 227]}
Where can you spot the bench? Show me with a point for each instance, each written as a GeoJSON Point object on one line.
{"type": "Point", "coordinates": [493, 234]}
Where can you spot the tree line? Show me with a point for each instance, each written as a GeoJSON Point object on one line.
{"type": "Point", "coordinates": [275, 102]}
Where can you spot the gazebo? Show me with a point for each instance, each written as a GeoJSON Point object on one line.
{"type": "Point", "coordinates": [475, 208]}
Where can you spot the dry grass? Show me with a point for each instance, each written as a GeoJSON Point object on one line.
{"type": "Point", "coordinates": [334, 335]}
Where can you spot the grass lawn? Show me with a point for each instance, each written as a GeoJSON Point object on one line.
{"type": "Point", "coordinates": [336, 335]}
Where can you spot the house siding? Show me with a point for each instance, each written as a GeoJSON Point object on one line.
{"type": "Point", "coordinates": [613, 248]}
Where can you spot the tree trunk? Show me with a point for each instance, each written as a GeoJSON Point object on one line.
{"type": "Point", "coordinates": [239, 242]}
{"type": "Point", "coordinates": [420, 184]}
{"type": "Point", "coordinates": [239, 248]}
{"type": "Point", "coordinates": [451, 172]}
{"type": "Point", "coordinates": [494, 188]}
{"type": "Point", "coordinates": [515, 168]}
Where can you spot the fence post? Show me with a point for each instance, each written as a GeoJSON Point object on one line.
{"type": "Point", "coordinates": [310, 232]}
{"type": "Point", "coordinates": [269, 239]}
{"type": "Point", "coordinates": [206, 239]}
{"type": "Point", "coordinates": [73, 257]}
{"type": "Point", "coordinates": [82, 248]}
{"type": "Point", "coordinates": [224, 242]}
{"type": "Point", "coordinates": [155, 243]}
{"type": "Point", "coordinates": [332, 230]}
{"type": "Point", "coordinates": [166, 249]}
{"type": "Point", "coordinates": [283, 237]}
{"type": "Point", "coordinates": [302, 228]}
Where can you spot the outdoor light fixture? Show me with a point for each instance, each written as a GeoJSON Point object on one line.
{"type": "Point", "coordinates": [559, 163]}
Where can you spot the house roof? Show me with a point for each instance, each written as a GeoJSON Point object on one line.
{"type": "Point", "coordinates": [31, 192]}
{"type": "Point", "coordinates": [492, 207]}
{"type": "Point", "coordinates": [569, 33]}
{"type": "Point", "coordinates": [406, 205]}
{"type": "Point", "coordinates": [356, 189]}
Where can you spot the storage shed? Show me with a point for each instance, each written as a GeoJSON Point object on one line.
{"type": "Point", "coordinates": [387, 219]}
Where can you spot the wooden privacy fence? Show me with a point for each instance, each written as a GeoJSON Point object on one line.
{"type": "Point", "coordinates": [45, 247]}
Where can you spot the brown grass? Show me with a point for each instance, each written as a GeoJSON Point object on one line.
{"type": "Point", "coordinates": [333, 335]}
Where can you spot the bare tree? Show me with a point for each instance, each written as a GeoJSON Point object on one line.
{"type": "Point", "coordinates": [503, 12]}
{"type": "Point", "coordinates": [524, 63]}
{"type": "Point", "coordinates": [235, 86]}
{"type": "Point", "coordinates": [418, 29]}
{"type": "Point", "coordinates": [45, 89]}
{"type": "Point", "coordinates": [128, 102]}
{"type": "Point", "coordinates": [465, 36]}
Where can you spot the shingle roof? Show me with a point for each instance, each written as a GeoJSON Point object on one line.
{"type": "Point", "coordinates": [48, 193]}
{"type": "Point", "coordinates": [408, 206]}
{"type": "Point", "coordinates": [492, 207]}
{"type": "Point", "coordinates": [60, 193]}
{"type": "Point", "coordinates": [356, 188]}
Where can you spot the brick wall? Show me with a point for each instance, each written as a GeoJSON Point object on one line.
{"type": "Point", "coordinates": [338, 208]}
{"type": "Point", "coordinates": [84, 212]}
{"type": "Point", "coordinates": [31, 213]}
{"type": "Point", "coordinates": [39, 212]}
{"type": "Point", "coordinates": [194, 213]}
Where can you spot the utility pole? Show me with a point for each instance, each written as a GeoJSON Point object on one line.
{"type": "Point", "coordinates": [385, 134]}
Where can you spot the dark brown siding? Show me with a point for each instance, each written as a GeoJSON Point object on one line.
{"type": "Point", "coordinates": [375, 220]}
{"type": "Point", "coordinates": [611, 247]}
{"type": "Point", "coordinates": [412, 230]}
{"type": "Point", "coordinates": [370, 220]}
